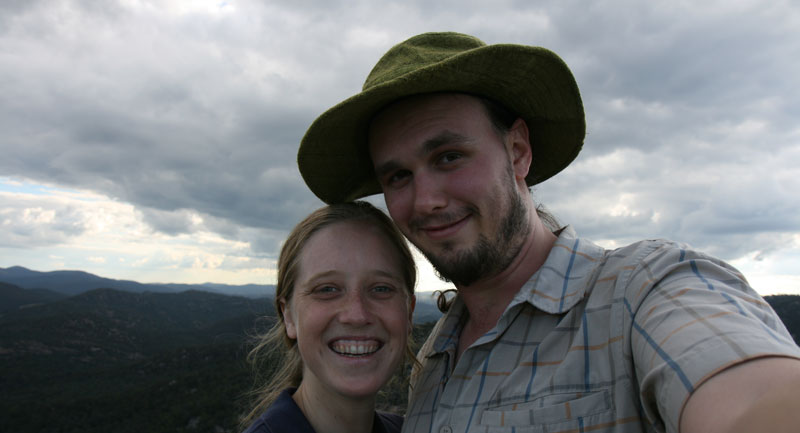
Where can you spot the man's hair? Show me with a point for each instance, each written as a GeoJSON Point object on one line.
{"type": "Point", "coordinates": [501, 117]}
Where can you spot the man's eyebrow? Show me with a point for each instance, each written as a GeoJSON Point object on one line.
{"type": "Point", "coordinates": [445, 138]}
{"type": "Point", "coordinates": [430, 145]}
{"type": "Point", "coordinates": [386, 168]}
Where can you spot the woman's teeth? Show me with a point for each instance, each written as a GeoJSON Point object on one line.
{"type": "Point", "coordinates": [355, 348]}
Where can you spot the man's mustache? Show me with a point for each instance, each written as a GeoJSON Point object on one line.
{"type": "Point", "coordinates": [441, 219]}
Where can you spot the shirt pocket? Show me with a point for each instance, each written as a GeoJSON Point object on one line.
{"type": "Point", "coordinates": [550, 409]}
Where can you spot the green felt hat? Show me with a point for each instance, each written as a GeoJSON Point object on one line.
{"type": "Point", "coordinates": [532, 82]}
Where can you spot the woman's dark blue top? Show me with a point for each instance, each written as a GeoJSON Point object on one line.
{"type": "Point", "coordinates": [285, 416]}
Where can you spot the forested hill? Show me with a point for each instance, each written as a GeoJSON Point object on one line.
{"type": "Point", "coordinates": [110, 360]}
{"type": "Point", "coordinates": [788, 308]}
{"type": "Point", "coordinates": [115, 361]}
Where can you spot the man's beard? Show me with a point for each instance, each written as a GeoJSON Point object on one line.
{"type": "Point", "coordinates": [487, 257]}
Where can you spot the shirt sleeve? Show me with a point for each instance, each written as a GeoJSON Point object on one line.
{"type": "Point", "coordinates": [692, 316]}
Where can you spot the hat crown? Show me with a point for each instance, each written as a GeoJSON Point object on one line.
{"type": "Point", "coordinates": [419, 52]}
{"type": "Point", "coordinates": [531, 81]}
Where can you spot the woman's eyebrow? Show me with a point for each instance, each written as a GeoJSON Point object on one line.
{"type": "Point", "coordinates": [387, 274]}
{"type": "Point", "coordinates": [323, 275]}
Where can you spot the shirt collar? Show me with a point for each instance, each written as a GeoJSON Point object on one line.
{"type": "Point", "coordinates": [565, 276]}
{"type": "Point", "coordinates": [560, 283]}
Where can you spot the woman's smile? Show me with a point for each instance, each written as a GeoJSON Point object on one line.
{"type": "Point", "coordinates": [355, 348]}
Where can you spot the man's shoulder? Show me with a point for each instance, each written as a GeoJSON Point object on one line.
{"type": "Point", "coordinates": [658, 254]}
{"type": "Point", "coordinates": [637, 253]}
{"type": "Point", "coordinates": [567, 236]}
{"type": "Point", "coordinates": [645, 249]}
{"type": "Point", "coordinates": [643, 262]}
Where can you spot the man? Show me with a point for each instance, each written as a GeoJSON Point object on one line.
{"type": "Point", "coordinates": [548, 332]}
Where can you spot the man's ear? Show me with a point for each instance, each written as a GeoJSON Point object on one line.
{"type": "Point", "coordinates": [288, 320]}
{"type": "Point", "coordinates": [518, 141]}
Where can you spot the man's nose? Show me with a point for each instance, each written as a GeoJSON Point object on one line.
{"type": "Point", "coordinates": [428, 194]}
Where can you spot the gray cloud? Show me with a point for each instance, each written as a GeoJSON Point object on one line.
{"type": "Point", "coordinates": [691, 109]}
{"type": "Point", "coordinates": [26, 223]}
{"type": "Point", "coordinates": [155, 118]}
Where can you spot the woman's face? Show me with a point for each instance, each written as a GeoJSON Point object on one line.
{"type": "Point", "coordinates": [350, 310]}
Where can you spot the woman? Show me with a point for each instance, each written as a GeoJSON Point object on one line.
{"type": "Point", "coordinates": [345, 297]}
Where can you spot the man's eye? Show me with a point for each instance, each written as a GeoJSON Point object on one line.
{"type": "Point", "coordinates": [449, 157]}
{"type": "Point", "coordinates": [398, 177]}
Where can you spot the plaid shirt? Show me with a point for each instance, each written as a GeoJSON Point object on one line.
{"type": "Point", "coordinates": [597, 340]}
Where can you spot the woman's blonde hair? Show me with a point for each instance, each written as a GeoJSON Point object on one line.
{"type": "Point", "coordinates": [275, 347]}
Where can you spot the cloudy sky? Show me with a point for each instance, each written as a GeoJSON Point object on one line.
{"type": "Point", "coordinates": [156, 140]}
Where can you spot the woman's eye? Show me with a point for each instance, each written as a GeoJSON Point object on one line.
{"type": "Point", "coordinates": [383, 290]}
{"type": "Point", "coordinates": [326, 290]}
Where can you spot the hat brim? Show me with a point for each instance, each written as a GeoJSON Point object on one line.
{"type": "Point", "coordinates": [531, 81]}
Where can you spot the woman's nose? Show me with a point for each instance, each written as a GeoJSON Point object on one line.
{"type": "Point", "coordinates": [355, 310]}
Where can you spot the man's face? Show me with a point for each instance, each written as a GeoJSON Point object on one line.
{"type": "Point", "coordinates": [450, 185]}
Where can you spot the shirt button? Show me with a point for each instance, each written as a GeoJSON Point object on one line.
{"type": "Point", "coordinates": [446, 429]}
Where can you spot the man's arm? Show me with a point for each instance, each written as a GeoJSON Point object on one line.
{"type": "Point", "coordinates": [761, 395]}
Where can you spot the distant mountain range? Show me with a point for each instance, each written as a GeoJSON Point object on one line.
{"type": "Point", "coordinates": [75, 282]}
{"type": "Point", "coordinates": [44, 287]}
